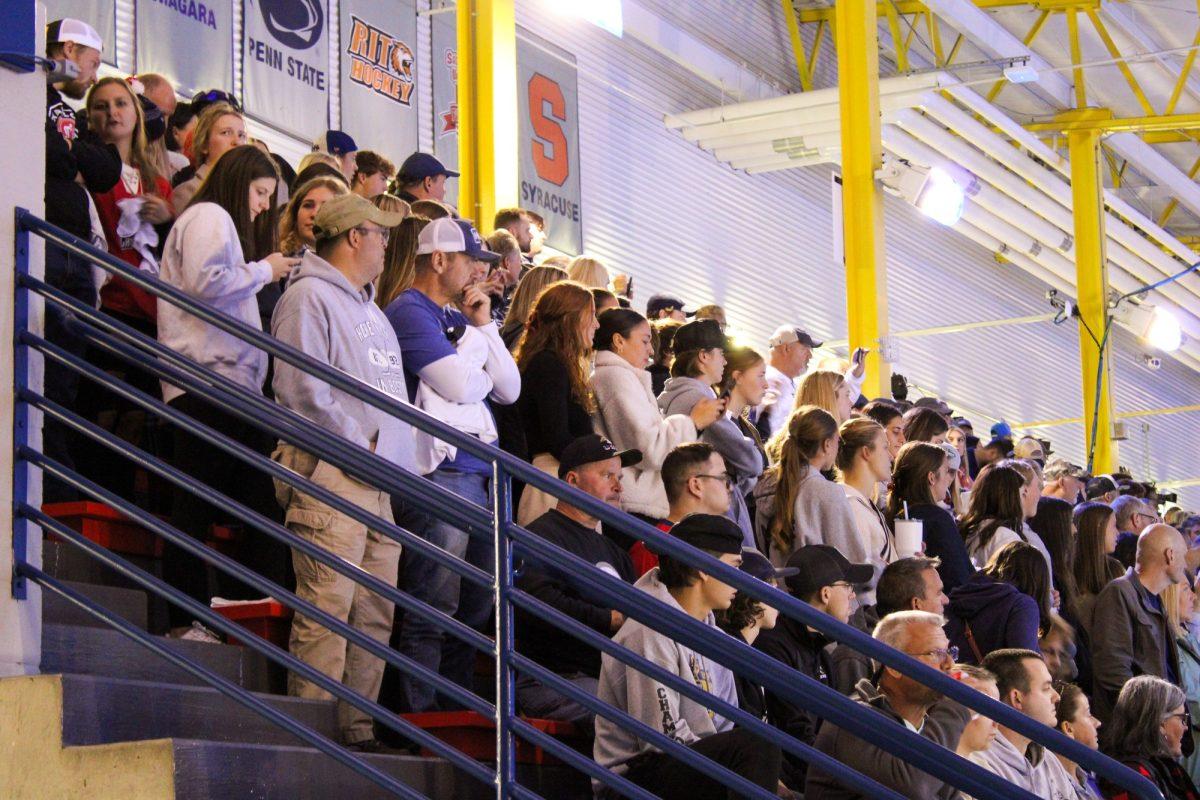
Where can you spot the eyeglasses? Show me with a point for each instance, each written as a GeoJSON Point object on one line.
{"type": "Point", "coordinates": [726, 479]}
{"type": "Point", "coordinates": [1182, 716]}
{"type": "Point", "coordinates": [941, 654]}
{"type": "Point", "coordinates": [843, 585]}
{"type": "Point", "coordinates": [1151, 517]}
{"type": "Point", "coordinates": [384, 233]}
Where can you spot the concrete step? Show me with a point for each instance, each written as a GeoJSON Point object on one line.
{"type": "Point", "coordinates": [128, 604]}
{"type": "Point", "coordinates": [208, 770]}
{"type": "Point", "coordinates": [67, 562]}
{"type": "Point", "coordinates": [105, 652]}
{"type": "Point", "coordinates": [102, 710]}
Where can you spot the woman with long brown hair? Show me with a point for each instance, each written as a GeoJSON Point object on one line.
{"type": "Point", "coordinates": [296, 222]}
{"type": "Point", "coordinates": [1095, 567]}
{"type": "Point", "coordinates": [400, 259]}
{"type": "Point", "coordinates": [920, 477]}
{"type": "Point", "coordinates": [556, 402]}
{"type": "Point", "coordinates": [218, 253]}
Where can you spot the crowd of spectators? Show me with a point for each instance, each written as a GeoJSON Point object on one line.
{"type": "Point", "coordinates": [1061, 594]}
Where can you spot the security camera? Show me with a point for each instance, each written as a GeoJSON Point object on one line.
{"type": "Point", "coordinates": [1152, 362]}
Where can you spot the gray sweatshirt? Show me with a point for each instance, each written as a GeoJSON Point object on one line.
{"type": "Point", "coordinates": [322, 314]}
{"type": "Point", "coordinates": [823, 516]}
{"type": "Point", "coordinates": [1039, 772]}
{"type": "Point", "coordinates": [649, 701]}
{"type": "Point", "coordinates": [203, 257]}
{"type": "Point", "coordinates": [742, 460]}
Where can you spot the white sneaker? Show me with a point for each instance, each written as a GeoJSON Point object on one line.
{"type": "Point", "coordinates": [199, 633]}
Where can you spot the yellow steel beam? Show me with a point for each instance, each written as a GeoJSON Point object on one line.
{"type": "Point", "coordinates": [958, 40]}
{"type": "Point", "coordinates": [1184, 74]}
{"type": "Point", "coordinates": [818, 40]}
{"type": "Point", "coordinates": [935, 38]}
{"type": "Point", "coordinates": [1091, 278]}
{"type": "Point", "coordinates": [1115, 52]}
{"type": "Point", "coordinates": [1076, 58]}
{"type": "Point", "coordinates": [898, 38]}
{"type": "Point", "coordinates": [793, 26]}
{"type": "Point", "coordinates": [1109, 124]}
{"type": "Point", "coordinates": [862, 208]}
{"type": "Point", "coordinates": [487, 99]}
{"type": "Point", "coordinates": [999, 85]}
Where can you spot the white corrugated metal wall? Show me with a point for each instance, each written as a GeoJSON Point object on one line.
{"type": "Point", "coordinates": [668, 213]}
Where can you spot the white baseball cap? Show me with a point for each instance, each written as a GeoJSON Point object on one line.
{"type": "Point", "coordinates": [450, 235]}
{"type": "Point", "coordinates": [73, 30]}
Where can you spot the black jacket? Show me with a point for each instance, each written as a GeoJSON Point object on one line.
{"type": "Point", "coordinates": [542, 641]}
{"type": "Point", "coordinates": [73, 151]}
{"type": "Point", "coordinates": [943, 540]}
{"type": "Point", "coordinates": [805, 651]}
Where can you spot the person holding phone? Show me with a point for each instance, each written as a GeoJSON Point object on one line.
{"type": "Point", "coordinates": [698, 366]}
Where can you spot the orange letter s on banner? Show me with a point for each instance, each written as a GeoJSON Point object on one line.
{"type": "Point", "coordinates": [548, 129]}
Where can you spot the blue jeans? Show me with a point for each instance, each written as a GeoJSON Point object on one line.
{"type": "Point", "coordinates": [445, 591]}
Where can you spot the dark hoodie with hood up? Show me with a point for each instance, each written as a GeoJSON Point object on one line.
{"type": "Point", "coordinates": [994, 613]}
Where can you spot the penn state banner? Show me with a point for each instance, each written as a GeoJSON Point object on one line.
{"type": "Point", "coordinates": [444, 36]}
{"type": "Point", "coordinates": [548, 96]}
{"type": "Point", "coordinates": [100, 14]}
{"type": "Point", "coordinates": [378, 70]}
{"type": "Point", "coordinates": [171, 32]}
{"type": "Point", "coordinates": [285, 64]}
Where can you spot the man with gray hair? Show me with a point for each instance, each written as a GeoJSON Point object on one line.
{"type": "Point", "coordinates": [1064, 480]}
{"type": "Point", "coordinates": [903, 700]}
{"type": "Point", "coordinates": [1133, 516]}
{"type": "Point", "coordinates": [1135, 638]}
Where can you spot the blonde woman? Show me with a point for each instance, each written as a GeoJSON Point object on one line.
{"type": "Point", "coordinates": [296, 222]}
{"type": "Point", "coordinates": [220, 128]}
{"type": "Point", "coordinates": [822, 388]}
{"type": "Point", "coordinates": [524, 295]}
{"type": "Point", "coordinates": [588, 271]}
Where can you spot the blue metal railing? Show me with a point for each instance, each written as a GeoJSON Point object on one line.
{"type": "Point", "coordinates": [510, 541]}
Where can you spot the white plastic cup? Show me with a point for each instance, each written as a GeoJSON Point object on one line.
{"type": "Point", "coordinates": [909, 537]}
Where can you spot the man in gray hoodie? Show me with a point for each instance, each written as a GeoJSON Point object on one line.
{"type": "Point", "coordinates": [681, 718]}
{"type": "Point", "coordinates": [1024, 683]}
{"type": "Point", "coordinates": [329, 312]}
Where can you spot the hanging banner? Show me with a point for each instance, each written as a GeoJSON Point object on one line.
{"type": "Point", "coordinates": [285, 64]}
{"type": "Point", "coordinates": [548, 96]}
{"type": "Point", "coordinates": [444, 36]}
{"type": "Point", "coordinates": [171, 32]}
{"type": "Point", "coordinates": [100, 14]}
{"type": "Point", "coordinates": [378, 71]}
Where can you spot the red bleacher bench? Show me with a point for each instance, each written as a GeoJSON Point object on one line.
{"type": "Point", "coordinates": [106, 527]}
{"type": "Point", "coordinates": [224, 538]}
{"type": "Point", "coordinates": [268, 619]}
{"type": "Point", "coordinates": [475, 735]}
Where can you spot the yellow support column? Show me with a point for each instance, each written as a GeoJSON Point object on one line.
{"type": "Point", "coordinates": [862, 208]}
{"type": "Point", "coordinates": [487, 109]}
{"type": "Point", "coordinates": [1091, 277]}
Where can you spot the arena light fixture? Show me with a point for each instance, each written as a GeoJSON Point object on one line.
{"type": "Point", "coordinates": [934, 191]}
{"type": "Point", "coordinates": [602, 13]}
{"type": "Point", "coordinates": [1156, 326]}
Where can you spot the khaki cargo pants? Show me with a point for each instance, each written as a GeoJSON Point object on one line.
{"type": "Point", "coordinates": [335, 593]}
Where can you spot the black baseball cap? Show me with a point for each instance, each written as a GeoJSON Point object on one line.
{"type": "Point", "coordinates": [419, 166]}
{"type": "Point", "coordinates": [758, 566]}
{"type": "Point", "coordinates": [591, 448]}
{"type": "Point", "coordinates": [819, 565]}
{"type": "Point", "coordinates": [665, 302]}
{"type": "Point", "coordinates": [699, 334]}
{"type": "Point", "coordinates": [709, 532]}
{"type": "Point", "coordinates": [1100, 485]}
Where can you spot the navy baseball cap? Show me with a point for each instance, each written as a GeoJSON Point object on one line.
{"type": "Point", "coordinates": [757, 565]}
{"type": "Point", "coordinates": [335, 143]}
{"type": "Point", "coordinates": [419, 166]}
{"type": "Point", "coordinates": [665, 302]}
{"type": "Point", "coordinates": [450, 235]}
{"type": "Point", "coordinates": [592, 448]}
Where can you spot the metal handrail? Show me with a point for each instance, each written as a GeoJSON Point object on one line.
{"type": "Point", "coordinates": [510, 466]}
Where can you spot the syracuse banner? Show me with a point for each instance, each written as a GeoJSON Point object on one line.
{"type": "Point", "coordinates": [378, 75]}
{"type": "Point", "coordinates": [171, 32]}
{"type": "Point", "coordinates": [285, 64]}
{"type": "Point", "coordinates": [547, 93]}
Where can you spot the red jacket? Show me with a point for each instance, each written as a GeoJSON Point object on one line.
{"type": "Point", "coordinates": [118, 294]}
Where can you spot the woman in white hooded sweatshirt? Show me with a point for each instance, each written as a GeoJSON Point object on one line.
{"type": "Point", "coordinates": [207, 256]}
{"type": "Point", "coordinates": [627, 412]}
